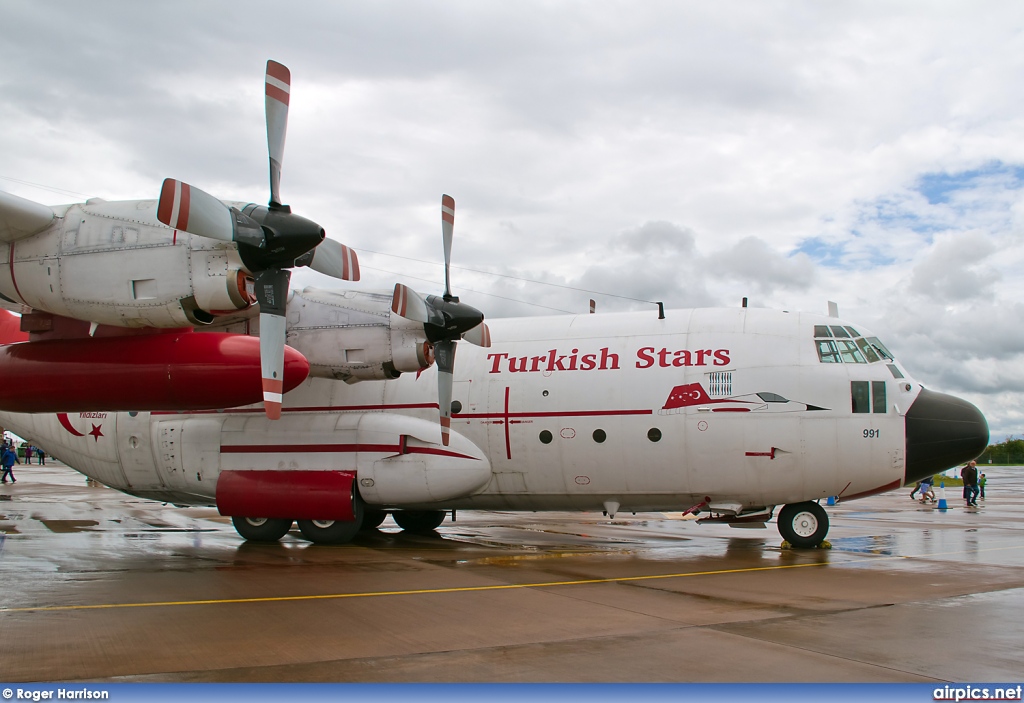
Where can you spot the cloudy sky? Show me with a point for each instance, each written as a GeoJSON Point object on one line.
{"type": "Point", "coordinates": [690, 152]}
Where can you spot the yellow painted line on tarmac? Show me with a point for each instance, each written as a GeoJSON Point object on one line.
{"type": "Point", "coordinates": [414, 592]}
{"type": "Point", "coordinates": [469, 589]}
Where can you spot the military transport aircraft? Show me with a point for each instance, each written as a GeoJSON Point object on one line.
{"type": "Point", "coordinates": [142, 371]}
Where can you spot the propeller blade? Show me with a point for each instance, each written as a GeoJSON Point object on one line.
{"type": "Point", "coordinates": [444, 354]}
{"type": "Point", "coordinates": [409, 304]}
{"type": "Point", "coordinates": [272, 295]}
{"type": "Point", "coordinates": [479, 335]}
{"type": "Point", "coordinates": [278, 92]}
{"type": "Point", "coordinates": [189, 209]}
{"type": "Point", "coordinates": [337, 260]}
{"type": "Point", "coordinates": [447, 228]}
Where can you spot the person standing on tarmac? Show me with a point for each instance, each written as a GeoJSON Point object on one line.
{"type": "Point", "coordinates": [8, 460]}
{"type": "Point", "coordinates": [970, 476]}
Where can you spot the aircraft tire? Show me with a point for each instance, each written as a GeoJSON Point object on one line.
{"type": "Point", "coordinates": [261, 529]}
{"type": "Point", "coordinates": [803, 525]}
{"type": "Point", "coordinates": [335, 531]}
{"type": "Point", "coordinates": [373, 517]}
{"type": "Point", "coordinates": [419, 520]}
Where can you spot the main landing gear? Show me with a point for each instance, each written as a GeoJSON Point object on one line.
{"type": "Point", "coordinates": [337, 531]}
{"type": "Point", "coordinates": [803, 525]}
{"type": "Point", "coordinates": [261, 529]}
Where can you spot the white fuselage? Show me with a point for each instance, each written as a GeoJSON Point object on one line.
{"type": "Point", "coordinates": [560, 413]}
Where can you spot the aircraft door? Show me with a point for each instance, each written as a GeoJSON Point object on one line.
{"type": "Point", "coordinates": [200, 455]}
{"type": "Point", "coordinates": [135, 451]}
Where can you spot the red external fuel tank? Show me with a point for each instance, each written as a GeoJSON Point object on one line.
{"type": "Point", "coordinates": [164, 371]}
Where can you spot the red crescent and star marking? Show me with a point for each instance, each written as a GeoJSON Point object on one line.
{"type": "Point", "coordinates": [65, 422]}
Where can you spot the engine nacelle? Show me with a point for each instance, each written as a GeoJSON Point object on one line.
{"type": "Point", "coordinates": [113, 263]}
{"type": "Point", "coordinates": [354, 336]}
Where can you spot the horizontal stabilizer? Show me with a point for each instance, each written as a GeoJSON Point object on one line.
{"type": "Point", "coordinates": [20, 218]}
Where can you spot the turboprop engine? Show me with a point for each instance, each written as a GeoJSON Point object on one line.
{"type": "Point", "coordinates": [114, 264]}
{"type": "Point", "coordinates": [353, 335]}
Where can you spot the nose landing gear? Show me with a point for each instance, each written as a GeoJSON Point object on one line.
{"type": "Point", "coordinates": [803, 525]}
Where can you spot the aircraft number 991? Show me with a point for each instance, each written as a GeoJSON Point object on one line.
{"type": "Point", "coordinates": [871, 434]}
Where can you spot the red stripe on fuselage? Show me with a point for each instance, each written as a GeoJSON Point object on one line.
{"type": "Point", "coordinates": [418, 406]}
{"type": "Point", "coordinates": [874, 491]}
{"type": "Point", "coordinates": [337, 449]}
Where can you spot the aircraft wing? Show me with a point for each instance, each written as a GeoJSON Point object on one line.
{"type": "Point", "coordinates": [20, 218]}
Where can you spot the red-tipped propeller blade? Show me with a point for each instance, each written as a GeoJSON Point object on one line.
{"type": "Point", "coordinates": [336, 260]}
{"type": "Point", "coordinates": [444, 354]}
{"type": "Point", "coordinates": [479, 335]}
{"type": "Point", "coordinates": [447, 231]}
{"type": "Point", "coordinates": [278, 94]}
{"type": "Point", "coordinates": [272, 293]}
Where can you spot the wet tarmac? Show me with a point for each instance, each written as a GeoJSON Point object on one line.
{"type": "Point", "coordinates": [96, 585]}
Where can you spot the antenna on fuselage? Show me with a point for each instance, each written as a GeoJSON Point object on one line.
{"type": "Point", "coordinates": [661, 311]}
{"type": "Point", "coordinates": [833, 309]}
{"type": "Point", "coordinates": [744, 301]}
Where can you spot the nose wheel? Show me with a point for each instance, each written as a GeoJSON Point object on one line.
{"type": "Point", "coordinates": [803, 525]}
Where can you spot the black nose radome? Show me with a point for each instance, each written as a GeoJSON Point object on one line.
{"type": "Point", "coordinates": [942, 432]}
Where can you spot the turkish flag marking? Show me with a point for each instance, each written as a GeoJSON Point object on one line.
{"type": "Point", "coordinates": [685, 396]}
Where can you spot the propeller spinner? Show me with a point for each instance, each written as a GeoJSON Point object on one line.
{"type": "Point", "coordinates": [271, 239]}
{"type": "Point", "coordinates": [445, 321]}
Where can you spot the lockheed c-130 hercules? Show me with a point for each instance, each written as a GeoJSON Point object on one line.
{"type": "Point", "coordinates": [143, 371]}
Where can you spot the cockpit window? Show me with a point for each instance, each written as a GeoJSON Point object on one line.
{"type": "Point", "coordinates": [848, 350]}
{"type": "Point", "coordinates": [880, 348]}
{"type": "Point", "coordinates": [827, 352]}
{"type": "Point", "coordinates": [868, 350]}
{"type": "Point", "coordinates": [838, 344]}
